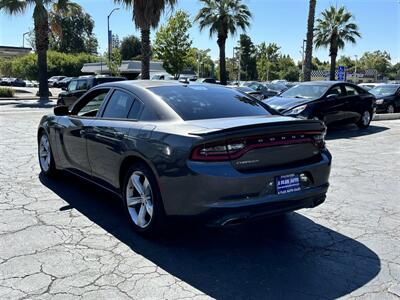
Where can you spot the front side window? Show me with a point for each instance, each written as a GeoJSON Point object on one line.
{"type": "Point", "coordinates": [90, 105]}
{"type": "Point", "coordinates": [118, 106]}
{"type": "Point", "coordinates": [208, 102]}
{"type": "Point", "coordinates": [336, 90]}
{"type": "Point", "coordinates": [350, 91]}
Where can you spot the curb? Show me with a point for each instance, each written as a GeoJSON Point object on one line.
{"type": "Point", "coordinates": [383, 117]}
{"type": "Point", "coordinates": [25, 99]}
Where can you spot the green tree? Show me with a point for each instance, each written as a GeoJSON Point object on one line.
{"type": "Point", "coordinates": [6, 67]}
{"type": "Point", "coordinates": [146, 15]}
{"type": "Point", "coordinates": [200, 61]}
{"type": "Point", "coordinates": [267, 57]}
{"type": "Point", "coordinates": [334, 28]}
{"type": "Point", "coordinates": [172, 43]}
{"type": "Point", "coordinates": [347, 62]}
{"type": "Point", "coordinates": [130, 48]}
{"type": "Point", "coordinates": [287, 69]}
{"type": "Point", "coordinates": [41, 28]}
{"type": "Point", "coordinates": [310, 39]}
{"type": "Point", "coordinates": [223, 17]}
{"type": "Point", "coordinates": [248, 63]}
{"type": "Point", "coordinates": [394, 73]}
{"type": "Point", "coordinates": [115, 62]}
{"type": "Point", "coordinates": [378, 60]}
{"type": "Point", "coordinates": [72, 31]}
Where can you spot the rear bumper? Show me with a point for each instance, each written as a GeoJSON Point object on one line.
{"type": "Point", "coordinates": [218, 192]}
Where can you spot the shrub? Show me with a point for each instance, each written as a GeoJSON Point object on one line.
{"type": "Point", "coordinates": [6, 92]}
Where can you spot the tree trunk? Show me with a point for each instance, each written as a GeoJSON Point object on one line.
{"type": "Point", "coordinates": [310, 38]}
{"type": "Point", "coordinates": [222, 61]}
{"type": "Point", "coordinates": [146, 52]}
{"type": "Point", "coordinates": [42, 45]}
{"type": "Point", "coordinates": [333, 54]}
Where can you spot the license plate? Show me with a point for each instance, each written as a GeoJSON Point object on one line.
{"type": "Point", "coordinates": [287, 184]}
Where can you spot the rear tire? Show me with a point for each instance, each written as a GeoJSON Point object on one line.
{"type": "Point", "coordinates": [45, 155]}
{"type": "Point", "coordinates": [142, 201]}
{"type": "Point", "coordinates": [365, 119]}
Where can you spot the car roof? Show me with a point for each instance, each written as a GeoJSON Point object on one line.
{"type": "Point", "coordinates": [320, 82]}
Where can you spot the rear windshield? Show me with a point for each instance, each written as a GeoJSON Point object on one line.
{"type": "Point", "coordinates": [198, 102]}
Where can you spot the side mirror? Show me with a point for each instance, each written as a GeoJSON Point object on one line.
{"type": "Point", "coordinates": [64, 88]}
{"type": "Point", "coordinates": [331, 96]}
{"type": "Point", "coordinates": [61, 110]}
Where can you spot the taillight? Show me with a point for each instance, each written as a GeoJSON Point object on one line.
{"type": "Point", "coordinates": [233, 149]}
{"type": "Point", "coordinates": [216, 152]}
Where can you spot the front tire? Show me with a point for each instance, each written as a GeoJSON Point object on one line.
{"type": "Point", "coordinates": [45, 155]}
{"type": "Point", "coordinates": [390, 109]}
{"type": "Point", "coordinates": [365, 119]}
{"type": "Point", "coordinates": [142, 201]}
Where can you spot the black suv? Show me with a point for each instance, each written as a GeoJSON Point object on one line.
{"type": "Point", "coordinates": [79, 86]}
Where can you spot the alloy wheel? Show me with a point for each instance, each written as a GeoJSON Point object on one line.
{"type": "Point", "coordinates": [366, 118]}
{"type": "Point", "coordinates": [44, 153]}
{"type": "Point", "coordinates": [390, 109]}
{"type": "Point", "coordinates": [139, 199]}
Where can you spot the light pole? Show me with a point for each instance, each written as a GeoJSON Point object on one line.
{"type": "Point", "coordinates": [109, 33]}
{"type": "Point", "coordinates": [23, 39]}
{"type": "Point", "coordinates": [355, 69]}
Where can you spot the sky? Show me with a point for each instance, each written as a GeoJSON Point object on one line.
{"type": "Point", "coordinates": [279, 21]}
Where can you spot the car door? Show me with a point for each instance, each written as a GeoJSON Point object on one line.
{"type": "Point", "coordinates": [355, 105]}
{"type": "Point", "coordinates": [72, 132]}
{"type": "Point", "coordinates": [331, 108]}
{"type": "Point", "coordinates": [109, 136]}
{"type": "Point", "coordinates": [397, 99]}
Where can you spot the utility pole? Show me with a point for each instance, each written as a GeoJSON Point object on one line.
{"type": "Point", "coordinates": [110, 33]}
{"type": "Point", "coordinates": [302, 59]}
{"type": "Point", "coordinates": [23, 39]}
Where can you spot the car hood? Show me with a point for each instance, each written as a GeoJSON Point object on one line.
{"type": "Point", "coordinates": [281, 103]}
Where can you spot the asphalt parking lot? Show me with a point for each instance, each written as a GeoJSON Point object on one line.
{"type": "Point", "coordinates": [64, 239]}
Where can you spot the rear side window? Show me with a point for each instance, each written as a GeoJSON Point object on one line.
{"type": "Point", "coordinates": [202, 102]}
{"type": "Point", "coordinates": [118, 106]}
{"type": "Point", "coordinates": [72, 85]}
{"type": "Point", "coordinates": [82, 85]}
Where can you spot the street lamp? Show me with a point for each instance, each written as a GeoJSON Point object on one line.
{"type": "Point", "coordinates": [109, 33]}
{"type": "Point", "coordinates": [23, 39]}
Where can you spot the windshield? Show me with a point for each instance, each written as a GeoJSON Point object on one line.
{"type": "Point", "coordinates": [196, 102]}
{"type": "Point", "coordinates": [306, 91]}
{"type": "Point", "coordinates": [384, 90]}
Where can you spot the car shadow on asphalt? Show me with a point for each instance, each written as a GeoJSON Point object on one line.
{"type": "Point", "coordinates": [349, 131]}
{"type": "Point", "coordinates": [290, 257]}
{"type": "Point", "coordinates": [28, 104]}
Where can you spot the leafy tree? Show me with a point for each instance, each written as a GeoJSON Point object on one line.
{"type": "Point", "coordinates": [334, 29]}
{"type": "Point", "coordinates": [58, 63]}
{"type": "Point", "coordinates": [6, 67]}
{"type": "Point", "coordinates": [146, 15]}
{"type": "Point", "coordinates": [41, 28]}
{"type": "Point", "coordinates": [115, 62]}
{"type": "Point", "coordinates": [310, 38]}
{"type": "Point", "coordinates": [287, 68]}
{"type": "Point", "coordinates": [379, 60]}
{"type": "Point", "coordinates": [200, 61]}
{"type": "Point", "coordinates": [394, 73]}
{"type": "Point", "coordinates": [130, 47]}
{"type": "Point", "coordinates": [347, 62]}
{"type": "Point", "coordinates": [72, 31]}
{"type": "Point", "coordinates": [172, 43]}
{"type": "Point", "coordinates": [267, 57]}
{"type": "Point", "coordinates": [247, 53]}
{"type": "Point", "coordinates": [223, 17]}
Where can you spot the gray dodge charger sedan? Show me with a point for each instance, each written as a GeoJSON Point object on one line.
{"type": "Point", "coordinates": [187, 150]}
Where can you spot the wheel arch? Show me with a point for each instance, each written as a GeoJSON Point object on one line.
{"type": "Point", "coordinates": [128, 161]}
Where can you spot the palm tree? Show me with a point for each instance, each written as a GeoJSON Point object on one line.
{"type": "Point", "coordinates": [334, 29]}
{"type": "Point", "coordinates": [41, 28]}
{"type": "Point", "coordinates": [310, 38]}
{"type": "Point", "coordinates": [146, 15]}
{"type": "Point", "coordinates": [223, 17]}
